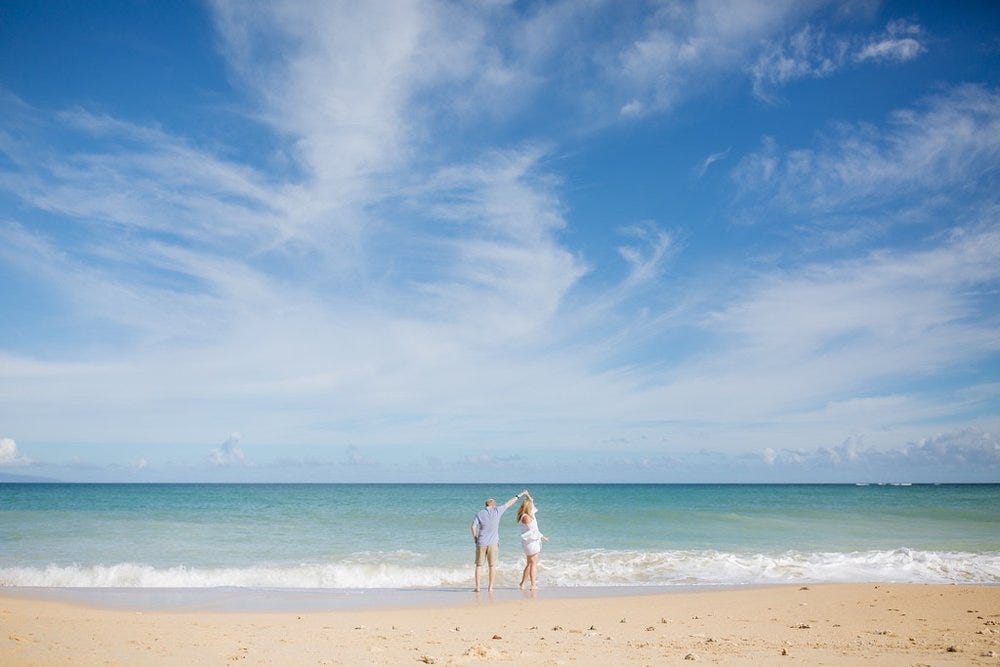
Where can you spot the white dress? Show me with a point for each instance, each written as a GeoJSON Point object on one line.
{"type": "Point", "coordinates": [531, 537]}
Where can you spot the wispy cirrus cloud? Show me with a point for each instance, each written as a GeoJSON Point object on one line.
{"type": "Point", "coordinates": [826, 340]}
{"type": "Point", "coordinates": [900, 42]}
{"type": "Point", "coordinates": [801, 354]}
{"type": "Point", "coordinates": [828, 335]}
{"type": "Point", "coordinates": [388, 285]}
{"type": "Point", "coordinates": [684, 45]}
{"type": "Point", "coordinates": [813, 335]}
{"type": "Point", "coordinates": [131, 177]}
{"type": "Point", "coordinates": [939, 154]}
{"type": "Point", "coordinates": [709, 160]}
{"type": "Point", "coordinates": [647, 258]}
{"type": "Point", "coordinates": [813, 53]}
{"type": "Point", "coordinates": [841, 327]}
{"type": "Point", "coordinates": [364, 272]}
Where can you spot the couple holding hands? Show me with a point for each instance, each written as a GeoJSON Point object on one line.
{"type": "Point", "coordinates": [486, 535]}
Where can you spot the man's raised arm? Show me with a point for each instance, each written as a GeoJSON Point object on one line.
{"type": "Point", "coordinates": [514, 499]}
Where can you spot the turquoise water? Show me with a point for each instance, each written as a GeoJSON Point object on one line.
{"type": "Point", "coordinates": [399, 536]}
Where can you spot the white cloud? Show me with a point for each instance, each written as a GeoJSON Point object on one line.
{"type": "Point", "coordinates": [814, 53]}
{"type": "Point", "coordinates": [683, 46]}
{"type": "Point", "coordinates": [770, 456]}
{"type": "Point", "coordinates": [173, 188]}
{"type": "Point", "coordinates": [485, 460]}
{"type": "Point", "coordinates": [898, 50]}
{"type": "Point", "coordinates": [340, 87]}
{"type": "Point", "coordinates": [354, 457]}
{"type": "Point", "coordinates": [228, 453]}
{"type": "Point", "coordinates": [9, 456]}
{"type": "Point", "coordinates": [365, 215]}
{"type": "Point", "coordinates": [633, 108]}
{"type": "Point", "coordinates": [710, 160]}
{"type": "Point", "coordinates": [804, 54]}
{"type": "Point", "coordinates": [499, 262]}
{"type": "Point", "coordinates": [646, 261]}
{"type": "Point", "coordinates": [839, 328]}
{"type": "Point", "coordinates": [899, 43]}
{"type": "Point", "coordinates": [357, 85]}
{"type": "Point", "coordinates": [366, 272]}
{"type": "Point", "coordinates": [965, 448]}
{"type": "Point", "coordinates": [940, 152]}
{"type": "Point", "coordinates": [432, 297]}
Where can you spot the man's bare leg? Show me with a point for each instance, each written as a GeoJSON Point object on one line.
{"type": "Point", "coordinates": [490, 589]}
{"type": "Point", "coordinates": [479, 569]}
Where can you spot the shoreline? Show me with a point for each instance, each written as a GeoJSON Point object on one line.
{"type": "Point", "coordinates": [272, 600]}
{"type": "Point", "coordinates": [838, 624]}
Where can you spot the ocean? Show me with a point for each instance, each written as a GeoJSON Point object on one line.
{"type": "Point", "coordinates": [416, 536]}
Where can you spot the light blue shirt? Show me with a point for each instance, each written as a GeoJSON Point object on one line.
{"type": "Point", "coordinates": [488, 523]}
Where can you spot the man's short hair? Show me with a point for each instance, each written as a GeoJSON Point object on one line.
{"type": "Point", "coordinates": [490, 502]}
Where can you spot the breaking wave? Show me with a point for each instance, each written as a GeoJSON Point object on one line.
{"type": "Point", "coordinates": [595, 567]}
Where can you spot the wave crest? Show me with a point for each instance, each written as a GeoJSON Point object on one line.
{"type": "Point", "coordinates": [596, 567]}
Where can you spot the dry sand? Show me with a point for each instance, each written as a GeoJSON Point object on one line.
{"type": "Point", "coordinates": [841, 624]}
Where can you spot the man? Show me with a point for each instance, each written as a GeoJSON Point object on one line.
{"type": "Point", "coordinates": [486, 535]}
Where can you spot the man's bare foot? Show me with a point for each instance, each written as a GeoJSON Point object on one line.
{"type": "Point", "coordinates": [475, 590]}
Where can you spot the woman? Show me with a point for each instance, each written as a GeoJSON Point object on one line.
{"type": "Point", "coordinates": [531, 540]}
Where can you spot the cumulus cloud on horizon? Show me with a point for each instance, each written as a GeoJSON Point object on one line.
{"type": "Point", "coordinates": [228, 453]}
{"type": "Point", "coordinates": [353, 456]}
{"type": "Point", "coordinates": [9, 455]}
{"type": "Point", "coordinates": [968, 447]}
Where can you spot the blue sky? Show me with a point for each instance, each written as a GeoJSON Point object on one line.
{"type": "Point", "coordinates": [552, 241]}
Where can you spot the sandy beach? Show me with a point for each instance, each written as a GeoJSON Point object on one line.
{"type": "Point", "coordinates": [833, 624]}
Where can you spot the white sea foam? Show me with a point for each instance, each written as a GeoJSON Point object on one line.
{"type": "Point", "coordinates": [668, 568]}
{"type": "Point", "coordinates": [132, 575]}
{"type": "Point", "coordinates": [581, 568]}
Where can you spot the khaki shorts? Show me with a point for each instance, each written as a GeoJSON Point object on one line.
{"type": "Point", "coordinates": [487, 553]}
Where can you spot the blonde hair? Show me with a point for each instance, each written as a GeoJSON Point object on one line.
{"type": "Point", "coordinates": [526, 508]}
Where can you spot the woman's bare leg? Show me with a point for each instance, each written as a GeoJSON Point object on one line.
{"type": "Point", "coordinates": [532, 568]}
